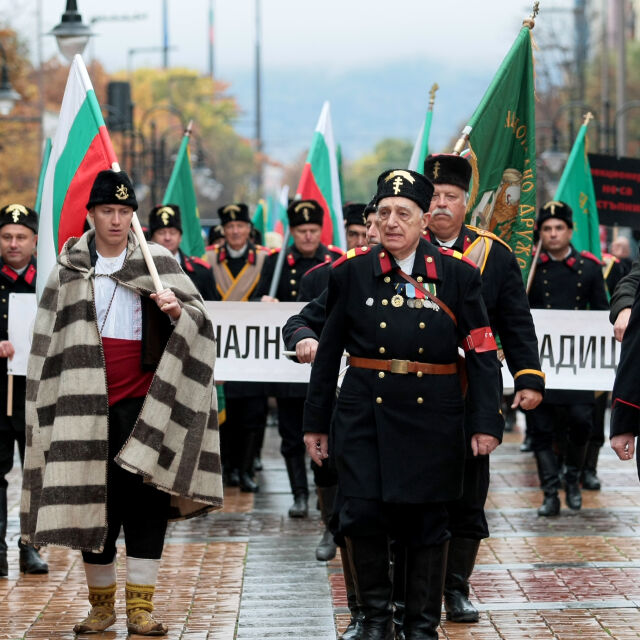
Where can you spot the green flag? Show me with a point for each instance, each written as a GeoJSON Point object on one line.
{"type": "Point", "coordinates": [576, 190]}
{"type": "Point", "coordinates": [503, 153]}
{"type": "Point", "coordinates": [181, 191]}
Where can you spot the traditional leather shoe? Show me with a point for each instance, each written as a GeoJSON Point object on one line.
{"type": "Point", "coordinates": [99, 618]}
{"type": "Point", "coordinates": [248, 484]}
{"type": "Point", "coordinates": [30, 560]}
{"type": "Point", "coordinates": [326, 549]}
{"type": "Point", "coordinates": [590, 480]}
{"type": "Point", "coordinates": [550, 506]}
{"type": "Point", "coordinates": [143, 623]}
{"type": "Point", "coordinates": [573, 496]}
{"type": "Point", "coordinates": [300, 506]}
{"type": "Point", "coordinates": [257, 464]}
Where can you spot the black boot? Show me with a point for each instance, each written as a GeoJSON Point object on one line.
{"type": "Point", "coordinates": [526, 444]}
{"type": "Point", "coordinates": [574, 462]}
{"type": "Point", "coordinates": [297, 471]}
{"type": "Point", "coordinates": [399, 572]}
{"type": "Point", "coordinates": [257, 460]}
{"type": "Point", "coordinates": [246, 481]}
{"type": "Point", "coordinates": [426, 567]}
{"type": "Point", "coordinates": [549, 474]}
{"type": "Point", "coordinates": [370, 559]}
{"type": "Point", "coordinates": [30, 560]}
{"type": "Point", "coordinates": [460, 561]}
{"type": "Point", "coordinates": [4, 566]}
{"type": "Point", "coordinates": [326, 549]}
{"type": "Point", "coordinates": [590, 480]}
{"type": "Point", "coordinates": [354, 628]}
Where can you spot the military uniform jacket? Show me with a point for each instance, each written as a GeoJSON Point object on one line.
{"type": "Point", "coordinates": [400, 438]}
{"type": "Point", "coordinates": [199, 271]}
{"type": "Point", "coordinates": [306, 324]}
{"type": "Point", "coordinates": [623, 295]}
{"type": "Point", "coordinates": [573, 283]}
{"type": "Point", "coordinates": [314, 281]}
{"type": "Point", "coordinates": [294, 267]}
{"type": "Point", "coordinates": [12, 282]}
{"type": "Point", "coordinates": [236, 279]}
{"type": "Point", "coordinates": [506, 300]}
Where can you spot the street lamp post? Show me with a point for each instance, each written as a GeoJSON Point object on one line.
{"type": "Point", "coordinates": [8, 97]}
{"type": "Point", "coordinates": [72, 35]}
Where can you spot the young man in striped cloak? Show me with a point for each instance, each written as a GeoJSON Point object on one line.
{"type": "Point", "coordinates": [121, 416]}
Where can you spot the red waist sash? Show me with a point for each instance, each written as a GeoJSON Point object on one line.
{"type": "Point", "coordinates": [125, 377]}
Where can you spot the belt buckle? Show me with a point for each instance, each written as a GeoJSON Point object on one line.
{"type": "Point", "coordinates": [400, 366]}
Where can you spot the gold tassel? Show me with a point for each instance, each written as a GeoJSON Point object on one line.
{"type": "Point", "coordinates": [475, 178]}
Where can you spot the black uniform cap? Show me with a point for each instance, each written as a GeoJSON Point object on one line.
{"type": "Point", "coordinates": [404, 183]}
{"type": "Point", "coordinates": [353, 213]}
{"type": "Point", "coordinates": [234, 212]}
{"type": "Point", "coordinates": [19, 214]}
{"type": "Point", "coordinates": [112, 187]}
{"type": "Point", "coordinates": [165, 216]}
{"type": "Point", "coordinates": [557, 210]}
{"type": "Point", "coordinates": [305, 212]}
{"type": "Point", "coordinates": [215, 233]}
{"type": "Point", "coordinates": [448, 168]}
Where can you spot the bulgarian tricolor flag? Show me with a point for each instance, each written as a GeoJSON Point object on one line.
{"type": "Point", "coordinates": [81, 148]}
{"type": "Point", "coordinates": [320, 180]}
{"type": "Point", "coordinates": [421, 147]}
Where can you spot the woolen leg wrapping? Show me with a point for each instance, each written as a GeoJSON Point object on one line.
{"type": "Point", "coordinates": [142, 571]}
{"type": "Point", "coordinates": [100, 575]}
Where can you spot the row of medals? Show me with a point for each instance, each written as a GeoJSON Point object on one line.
{"type": "Point", "coordinates": [412, 302]}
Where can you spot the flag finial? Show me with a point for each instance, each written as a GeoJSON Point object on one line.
{"type": "Point", "coordinates": [531, 20]}
{"type": "Point", "coordinates": [432, 94]}
{"type": "Point", "coordinates": [587, 118]}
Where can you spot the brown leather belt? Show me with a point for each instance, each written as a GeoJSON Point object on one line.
{"type": "Point", "coordinates": [403, 366]}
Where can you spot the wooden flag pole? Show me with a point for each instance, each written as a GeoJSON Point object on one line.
{"type": "Point", "coordinates": [10, 394]}
{"type": "Point", "coordinates": [148, 258]}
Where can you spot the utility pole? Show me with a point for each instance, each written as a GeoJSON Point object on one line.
{"type": "Point", "coordinates": [581, 44]}
{"type": "Point", "coordinates": [258, 104]}
{"type": "Point", "coordinates": [41, 101]}
{"type": "Point", "coordinates": [604, 80]}
{"type": "Point", "coordinates": [211, 39]}
{"type": "Point", "coordinates": [165, 34]}
{"type": "Point", "coordinates": [621, 89]}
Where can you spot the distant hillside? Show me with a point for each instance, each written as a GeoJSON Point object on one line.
{"type": "Point", "coordinates": [366, 104]}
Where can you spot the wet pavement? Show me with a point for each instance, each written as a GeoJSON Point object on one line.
{"type": "Point", "coordinates": [250, 572]}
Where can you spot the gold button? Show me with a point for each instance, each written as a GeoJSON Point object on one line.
{"type": "Point", "coordinates": [576, 308]}
{"type": "Point", "coordinates": [420, 399]}
{"type": "Point", "coordinates": [382, 254]}
{"type": "Point", "coordinates": [5, 316]}
{"type": "Point", "coordinates": [380, 374]}
{"type": "Point", "coordinates": [419, 278]}
{"type": "Point", "coordinates": [579, 271]}
{"type": "Point", "coordinates": [2, 287]}
{"type": "Point", "coordinates": [381, 349]}
{"type": "Point", "coordinates": [420, 350]}
{"type": "Point", "coordinates": [422, 325]}
{"type": "Point", "coordinates": [429, 259]}
{"type": "Point", "coordinates": [546, 282]}
{"type": "Point", "coordinates": [385, 302]}
{"type": "Point", "coordinates": [577, 297]}
{"type": "Point", "coordinates": [379, 400]}
{"type": "Point", "coordinates": [579, 284]}
{"type": "Point", "coordinates": [549, 306]}
{"type": "Point", "coordinates": [364, 248]}
{"type": "Point", "coordinates": [294, 293]}
{"type": "Point", "coordinates": [547, 293]}
{"type": "Point", "coordinates": [383, 325]}
{"type": "Point", "coordinates": [419, 374]}
{"type": "Point", "coordinates": [292, 281]}
{"type": "Point", "coordinates": [387, 279]}
{"type": "Point", "coordinates": [293, 270]}
{"type": "Point", "coordinates": [4, 299]}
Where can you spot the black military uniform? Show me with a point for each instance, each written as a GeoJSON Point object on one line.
{"type": "Point", "coordinates": [12, 428]}
{"type": "Point", "coordinates": [290, 397]}
{"type": "Point", "coordinates": [398, 428]}
{"type": "Point", "coordinates": [237, 275]}
{"type": "Point", "coordinates": [574, 282]}
{"type": "Point", "coordinates": [199, 271]}
{"type": "Point", "coordinates": [510, 318]}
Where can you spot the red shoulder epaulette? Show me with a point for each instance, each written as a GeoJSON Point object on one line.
{"type": "Point", "coordinates": [587, 254]}
{"type": "Point", "coordinates": [352, 253]}
{"type": "Point", "coordinates": [30, 274]}
{"type": "Point", "coordinates": [187, 264]}
{"type": "Point", "coordinates": [211, 247]}
{"type": "Point", "coordinates": [315, 266]}
{"type": "Point", "coordinates": [452, 253]}
{"type": "Point", "coordinates": [274, 251]}
{"type": "Point", "coordinates": [610, 256]}
{"type": "Point", "coordinates": [335, 249]}
{"type": "Point", "coordinates": [201, 262]}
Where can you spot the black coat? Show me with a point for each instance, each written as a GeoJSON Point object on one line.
{"type": "Point", "coordinates": [12, 282]}
{"type": "Point", "coordinates": [400, 438]}
{"type": "Point", "coordinates": [573, 283]}
{"type": "Point", "coordinates": [201, 275]}
{"type": "Point", "coordinates": [623, 295]}
{"type": "Point", "coordinates": [314, 282]}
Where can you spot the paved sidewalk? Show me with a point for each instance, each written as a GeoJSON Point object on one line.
{"type": "Point", "coordinates": [249, 572]}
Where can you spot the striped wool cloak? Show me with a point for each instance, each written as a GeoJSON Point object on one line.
{"type": "Point", "coordinates": [175, 441]}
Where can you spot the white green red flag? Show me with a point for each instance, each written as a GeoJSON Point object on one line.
{"type": "Point", "coordinates": [81, 148]}
{"type": "Point", "coordinates": [421, 147]}
{"type": "Point", "coordinates": [320, 180]}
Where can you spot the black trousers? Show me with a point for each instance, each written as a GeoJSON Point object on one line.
{"type": "Point", "coordinates": [414, 525]}
{"type": "Point", "coordinates": [138, 508]}
{"type": "Point", "coordinates": [547, 419]}
{"type": "Point", "coordinates": [244, 415]}
{"type": "Point", "coordinates": [11, 432]}
{"type": "Point", "coordinates": [466, 515]}
{"type": "Point", "coordinates": [290, 411]}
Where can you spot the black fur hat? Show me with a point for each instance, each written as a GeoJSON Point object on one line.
{"type": "Point", "coordinates": [112, 187]}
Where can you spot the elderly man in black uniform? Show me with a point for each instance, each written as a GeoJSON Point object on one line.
{"type": "Point", "coordinates": [237, 264]}
{"type": "Point", "coordinates": [564, 279]}
{"type": "Point", "coordinates": [400, 310]}
{"type": "Point", "coordinates": [305, 220]}
{"type": "Point", "coordinates": [505, 297]}
{"type": "Point", "coordinates": [165, 227]}
{"type": "Point", "coordinates": [18, 237]}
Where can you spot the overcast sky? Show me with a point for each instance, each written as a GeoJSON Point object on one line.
{"type": "Point", "coordinates": [333, 34]}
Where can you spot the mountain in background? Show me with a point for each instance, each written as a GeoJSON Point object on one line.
{"type": "Point", "coordinates": [367, 105]}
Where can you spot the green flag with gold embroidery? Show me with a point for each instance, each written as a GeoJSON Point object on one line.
{"type": "Point", "coordinates": [502, 152]}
